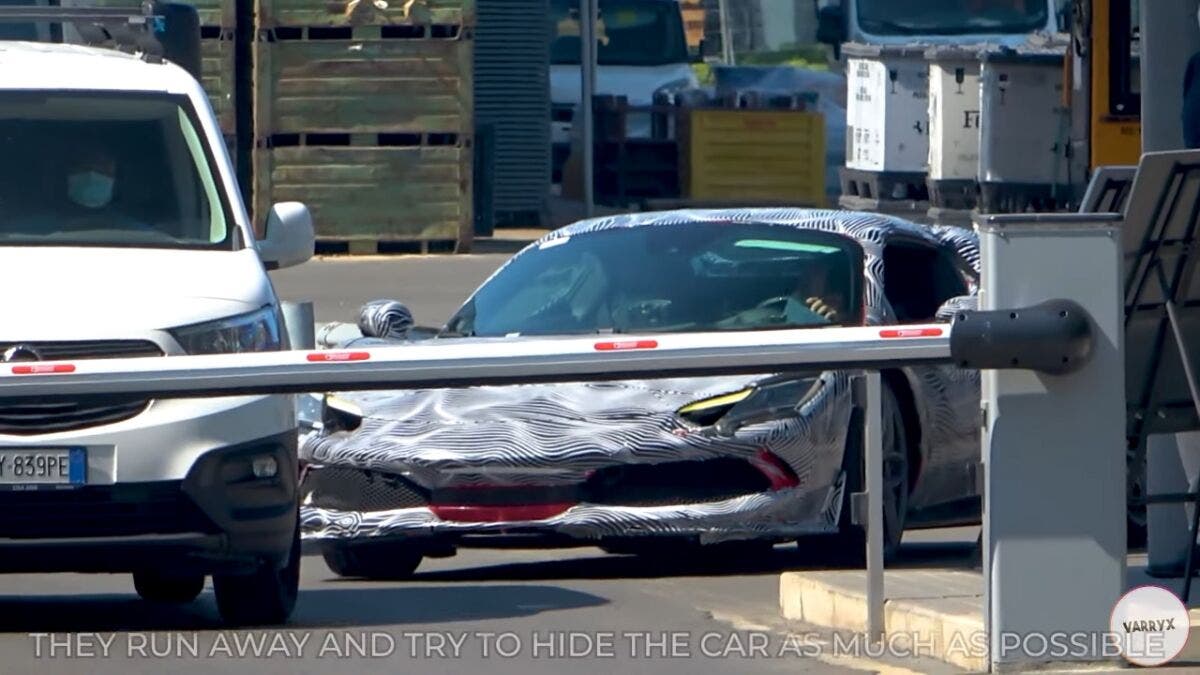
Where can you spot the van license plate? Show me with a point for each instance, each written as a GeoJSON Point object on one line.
{"type": "Point", "coordinates": [43, 466]}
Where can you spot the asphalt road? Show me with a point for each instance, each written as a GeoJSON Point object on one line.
{"type": "Point", "coordinates": [561, 611]}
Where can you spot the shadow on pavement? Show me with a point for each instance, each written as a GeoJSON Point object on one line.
{"type": "Point", "coordinates": [783, 558]}
{"type": "Point", "coordinates": [322, 607]}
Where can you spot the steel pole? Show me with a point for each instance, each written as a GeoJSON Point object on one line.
{"type": "Point", "coordinates": [727, 53]}
{"type": "Point", "coordinates": [589, 17]}
{"type": "Point", "coordinates": [874, 469]}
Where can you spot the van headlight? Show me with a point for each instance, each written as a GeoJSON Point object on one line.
{"type": "Point", "coordinates": [254, 332]}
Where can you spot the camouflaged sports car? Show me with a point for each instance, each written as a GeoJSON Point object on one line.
{"type": "Point", "coordinates": [392, 477]}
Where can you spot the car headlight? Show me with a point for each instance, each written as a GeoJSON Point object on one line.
{"type": "Point", "coordinates": [772, 399]}
{"type": "Point", "coordinates": [338, 414]}
{"type": "Point", "coordinates": [254, 332]}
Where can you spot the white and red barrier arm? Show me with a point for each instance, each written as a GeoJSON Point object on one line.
{"type": "Point", "coordinates": [1053, 337]}
{"type": "Point", "coordinates": [450, 363]}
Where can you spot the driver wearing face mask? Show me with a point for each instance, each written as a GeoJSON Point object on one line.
{"type": "Point", "coordinates": [91, 180]}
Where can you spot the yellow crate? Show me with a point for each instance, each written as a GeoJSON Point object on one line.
{"type": "Point", "coordinates": [766, 156]}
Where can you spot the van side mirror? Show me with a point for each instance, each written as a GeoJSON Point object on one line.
{"type": "Point", "coordinates": [290, 238]}
{"type": "Point", "coordinates": [831, 25]}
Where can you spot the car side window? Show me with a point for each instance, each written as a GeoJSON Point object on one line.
{"type": "Point", "coordinates": [918, 278]}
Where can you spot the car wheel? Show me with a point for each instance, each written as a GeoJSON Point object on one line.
{"type": "Point", "coordinates": [850, 541]}
{"type": "Point", "coordinates": [266, 596]}
{"type": "Point", "coordinates": [177, 589]}
{"type": "Point", "coordinates": [389, 561]}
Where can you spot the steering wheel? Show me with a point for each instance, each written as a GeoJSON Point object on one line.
{"type": "Point", "coordinates": [773, 301]}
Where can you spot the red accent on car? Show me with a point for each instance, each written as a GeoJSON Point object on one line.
{"type": "Point", "coordinates": [338, 356]}
{"type": "Point", "coordinates": [910, 332]}
{"type": "Point", "coordinates": [779, 473]}
{"type": "Point", "coordinates": [627, 344]}
{"type": "Point", "coordinates": [497, 514]}
{"type": "Point", "coordinates": [44, 369]}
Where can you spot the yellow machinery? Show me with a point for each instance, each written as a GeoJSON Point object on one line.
{"type": "Point", "coordinates": [1106, 50]}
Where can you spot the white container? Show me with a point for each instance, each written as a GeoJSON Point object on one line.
{"type": "Point", "coordinates": [887, 111]}
{"type": "Point", "coordinates": [954, 113]}
{"type": "Point", "coordinates": [1026, 127]}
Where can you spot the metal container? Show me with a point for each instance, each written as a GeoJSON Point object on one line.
{"type": "Point", "coordinates": [1024, 161]}
{"type": "Point", "coordinates": [954, 125]}
{"type": "Point", "coordinates": [887, 111]}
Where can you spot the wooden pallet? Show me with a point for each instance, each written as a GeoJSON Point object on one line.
{"type": "Point", "coordinates": [1025, 198]}
{"type": "Point", "coordinates": [884, 185]}
{"type": "Point", "coordinates": [377, 193]}
{"type": "Point", "coordinates": [366, 246]}
{"type": "Point", "coordinates": [955, 195]}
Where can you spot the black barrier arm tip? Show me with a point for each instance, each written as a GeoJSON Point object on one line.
{"type": "Point", "coordinates": [1053, 337]}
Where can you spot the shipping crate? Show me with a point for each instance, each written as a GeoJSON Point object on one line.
{"type": "Point", "coordinates": [767, 156]}
{"type": "Point", "coordinates": [305, 13]}
{"type": "Point", "coordinates": [375, 193]}
{"type": "Point", "coordinates": [363, 79]}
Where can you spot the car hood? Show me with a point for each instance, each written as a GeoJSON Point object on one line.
{"type": "Point", "coordinates": [72, 293]}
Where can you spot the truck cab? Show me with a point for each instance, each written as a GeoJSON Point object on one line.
{"type": "Point", "coordinates": [642, 50]}
{"type": "Point", "coordinates": [932, 22]}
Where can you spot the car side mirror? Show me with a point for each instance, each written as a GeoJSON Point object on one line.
{"type": "Point", "coordinates": [831, 26]}
{"type": "Point", "coordinates": [386, 319]}
{"type": "Point", "coordinates": [957, 304]}
{"type": "Point", "coordinates": [289, 238]}
{"type": "Point", "coordinates": [701, 52]}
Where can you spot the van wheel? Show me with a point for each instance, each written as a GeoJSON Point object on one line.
{"type": "Point", "coordinates": [175, 589]}
{"type": "Point", "coordinates": [264, 597]}
{"type": "Point", "coordinates": [850, 542]}
{"type": "Point", "coordinates": [390, 561]}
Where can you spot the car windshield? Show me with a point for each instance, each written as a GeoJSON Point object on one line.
{"type": "Point", "coordinates": [682, 278]}
{"type": "Point", "coordinates": [630, 33]}
{"type": "Point", "coordinates": [89, 169]}
{"type": "Point", "coordinates": [951, 17]}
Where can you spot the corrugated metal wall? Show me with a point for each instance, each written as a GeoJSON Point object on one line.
{"type": "Point", "coordinates": [512, 100]}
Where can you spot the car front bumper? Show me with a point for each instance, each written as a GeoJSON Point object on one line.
{"type": "Point", "coordinates": [173, 487]}
{"type": "Point", "coordinates": [781, 514]}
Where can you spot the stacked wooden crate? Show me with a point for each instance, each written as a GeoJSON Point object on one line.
{"type": "Point", "coordinates": [363, 111]}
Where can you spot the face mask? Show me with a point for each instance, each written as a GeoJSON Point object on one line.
{"type": "Point", "coordinates": [90, 189]}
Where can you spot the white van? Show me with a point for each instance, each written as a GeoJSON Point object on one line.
{"type": "Point", "coordinates": [642, 50]}
{"type": "Point", "coordinates": [123, 234]}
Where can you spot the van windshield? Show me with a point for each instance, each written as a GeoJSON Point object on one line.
{"type": "Point", "coordinates": [951, 17]}
{"type": "Point", "coordinates": [630, 33]}
{"type": "Point", "coordinates": [100, 169]}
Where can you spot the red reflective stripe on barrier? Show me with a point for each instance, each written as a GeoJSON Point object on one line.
{"type": "Point", "coordinates": [43, 369]}
{"type": "Point", "coordinates": [338, 356]}
{"type": "Point", "coordinates": [910, 332]}
{"type": "Point", "coordinates": [628, 344]}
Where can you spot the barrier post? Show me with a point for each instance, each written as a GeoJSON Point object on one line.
{"type": "Point", "coordinates": [874, 470]}
{"type": "Point", "coordinates": [1054, 446]}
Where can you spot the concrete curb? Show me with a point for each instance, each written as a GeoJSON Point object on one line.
{"type": "Point", "coordinates": [953, 635]}
{"type": "Point", "coordinates": [951, 625]}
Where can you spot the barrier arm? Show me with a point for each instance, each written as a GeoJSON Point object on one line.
{"type": "Point", "coordinates": [1053, 337]}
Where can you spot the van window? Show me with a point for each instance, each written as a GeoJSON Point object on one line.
{"type": "Point", "coordinates": [99, 169]}
{"type": "Point", "coordinates": [630, 33]}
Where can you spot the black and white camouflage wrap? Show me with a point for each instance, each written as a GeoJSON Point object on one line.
{"type": "Point", "coordinates": [549, 435]}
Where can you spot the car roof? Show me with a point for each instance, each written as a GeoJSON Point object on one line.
{"type": "Point", "coordinates": [58, 66]}
{"type": "Point", "coordinates": [868, 229]}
